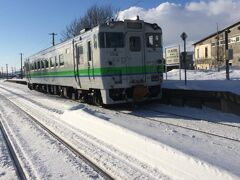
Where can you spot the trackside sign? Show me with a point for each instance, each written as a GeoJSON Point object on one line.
{"type": "Point", "coordinates": [172, 55]}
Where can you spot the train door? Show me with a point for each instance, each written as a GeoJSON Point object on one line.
{"type": "Point", "coordinates": [90, 61]}
{"type": "Point", "coordinates": [135, 56]}
{"type": "Point", "coordinates": [27, 69]}
{"type": "Point", "coordinates": [77, 62]}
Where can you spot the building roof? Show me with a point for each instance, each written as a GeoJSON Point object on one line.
{"type": "Point", "coordinates": [216, 33]}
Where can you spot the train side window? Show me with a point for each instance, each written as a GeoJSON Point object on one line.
{"type": "Point", "coordinates": [79, 54]}
{"type": "Point", "coordinates": [29, 66]}
{"type": "Point", "coordinates": [42, 64]}
{"type": "Point", "coordinates": [46, 63]}
{"type": "Point", "coordinates": [51, 62]}
{"type": "Point", "coordinates": [56, 61]}
{"type": "Point", "coordinates": [38, 65]}
{"type": "Point", "coordinates": [32, 66]}
{"type": "Point", "coordinates": [89, 50]}
{"type": "Point", "coordinates": [95, 41]}
{"type": "Point", "coordinates": [26, 65]}
{"type": "Point", "coordinates": [80, 49]}
{"type": "Point", "coordinates": [61, 60]}
{"type": "Point", "coordinates": [135, 43]}
{"type": "Point", "coordinates": [102, 40]}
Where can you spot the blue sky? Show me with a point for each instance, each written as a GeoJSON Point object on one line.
{"type": "Point", "coordinates": [25, 25]}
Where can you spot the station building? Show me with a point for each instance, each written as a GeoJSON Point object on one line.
{"type": "Point", "coordinates": [210, 52]}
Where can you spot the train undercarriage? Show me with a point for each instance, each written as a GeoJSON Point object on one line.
{"type": "Point", "coordinates": [94, 96]}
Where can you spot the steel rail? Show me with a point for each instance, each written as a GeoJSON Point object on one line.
{"type": "Point", "coordinates": [102, 172]}
{"type": "Point", "coordinates": [184, 127]}
{"type": "Point", "coordinates": [194, 118]}
{"type": "Point", "coordinates": [13, 154]}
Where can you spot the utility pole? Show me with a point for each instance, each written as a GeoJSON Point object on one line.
{"type": "Point", "coordinates": [184, 37]}
{"type": "Point", "coordinates": [226, 53]}
{"type": "Point", "coordinates": [53, 40]}
{"type": "Point", "coordinates": [21, 54]}
{"type": "Point", "coordinates": [7, 70]}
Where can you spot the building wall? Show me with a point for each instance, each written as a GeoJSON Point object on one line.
{"type": "Point", "coordinates": [216, 50]}
{"type": "Point", "coordinates": [203, 55]}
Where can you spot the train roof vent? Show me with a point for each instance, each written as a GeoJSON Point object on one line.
{"type": "Point", "coordinates": [84, 30]}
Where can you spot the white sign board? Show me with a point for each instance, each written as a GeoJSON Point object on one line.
{"type": "Point", "coordinates": [172, 56]}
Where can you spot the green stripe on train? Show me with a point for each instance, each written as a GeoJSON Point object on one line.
{"type": "Point", "coordinates": [103, 71]}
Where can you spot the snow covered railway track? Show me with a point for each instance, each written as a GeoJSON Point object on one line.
{"type": "Point", "coordinates": [13, 154]}
{"type": "Point", "coordinates": [117, 163]}
{"type": "Point", "coordinates": [33, 101]}
{"type": "Point", "coordinates": [194, 118]}
{"type": "Point", "coordinates": [71, 148]}
{"type": "Point", "coordinates": [68, 146]}
{"type": "Point", "coordinates": [191, 128]}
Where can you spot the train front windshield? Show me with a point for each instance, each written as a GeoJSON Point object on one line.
{"type": "Point", "coordinates": [116, 40]}
{"type": "Point", "coordinates": [111, 40]}
{"type": "Point", "coordinates": [153, 40]}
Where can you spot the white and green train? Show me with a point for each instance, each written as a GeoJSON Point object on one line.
{"type": "Point", "coordinates": [116, 62]}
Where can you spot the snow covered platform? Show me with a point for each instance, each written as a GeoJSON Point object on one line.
{"type": "Point", "coordinates": [204, 88]}
{"type": "Point", "coordinates": [208, 80]}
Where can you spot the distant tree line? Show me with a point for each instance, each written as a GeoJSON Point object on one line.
{"type": "Point", "coordinates": [94, 16]}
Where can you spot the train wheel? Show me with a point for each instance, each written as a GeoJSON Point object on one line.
{"type": "Point", "coordinates": [97, 99]}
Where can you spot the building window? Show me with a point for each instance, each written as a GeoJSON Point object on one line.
{"type": "Point", "coordinates": [206, 52]}
{"type": "Point", "coordinates": [198, 53]}
{"type": "Point", "coordinates": [237, 39]}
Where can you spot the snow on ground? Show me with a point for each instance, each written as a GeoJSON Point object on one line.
{"type": "Point", "coordinates": [40, 154]}
{"type": "Point", "coordinates": [176, 152]}
{"type": "Point", "coordinates": [7, 169]}
{"type": "Point", "coordinates": [172, 162]}
{"type": "Point", "coordinates": [115, 162]}
{"type": "Point", "coordinates": [204, 80]}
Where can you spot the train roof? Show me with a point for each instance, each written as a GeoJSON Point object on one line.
{"type": "Point", "coordinates": [86, 32]}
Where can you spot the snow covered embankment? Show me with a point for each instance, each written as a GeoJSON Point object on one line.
{"type": "Point", "coordinates": [171, 162]}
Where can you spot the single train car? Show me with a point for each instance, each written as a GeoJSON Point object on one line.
{"type": "Point", "coordinates": [115, 62]}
